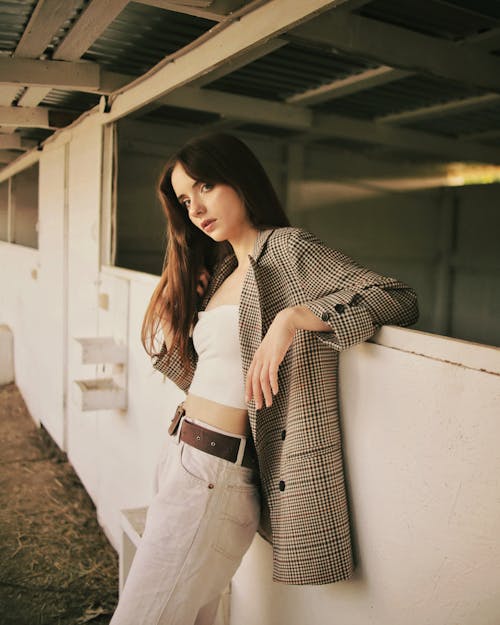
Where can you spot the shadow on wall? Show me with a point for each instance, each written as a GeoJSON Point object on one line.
{"type": "Point", "coordinates": [6, 355]}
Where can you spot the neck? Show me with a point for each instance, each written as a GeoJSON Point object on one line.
{"type": "Point", "coordinates": [244, 246]}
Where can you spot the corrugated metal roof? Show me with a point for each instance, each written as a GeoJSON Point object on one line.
{"type": "Point", "coordinates": [405, 94]}
{"type": "Point", "coordinates": [448, 19]}
{"type": "Point", "coordinates": [483, 120]}
{"type": "Point", "coordinates": [14, 16]}
{"type": "Point", "coordinates": [289, 70]}
{"type": "Point", "coordinates": [141, 36]}
{"type": "Point", "coordinates": [70, 100]}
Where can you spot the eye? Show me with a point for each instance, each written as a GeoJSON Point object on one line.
{"type": "Point", "coordinates": [185, 203]}
{"type": "Point", "coordinates": [206, 186]}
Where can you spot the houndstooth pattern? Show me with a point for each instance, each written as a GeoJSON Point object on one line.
{"type": "Point", "coordinates": [298, 438]}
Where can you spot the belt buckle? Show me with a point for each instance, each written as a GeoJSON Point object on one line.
{"type": "Point", "coordinates": [176, 419]}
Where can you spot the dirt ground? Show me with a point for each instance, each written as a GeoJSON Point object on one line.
{"type": "Point", "coordinates": [56, 565]}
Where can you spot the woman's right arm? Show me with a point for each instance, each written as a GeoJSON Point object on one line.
{"type": "Point", "coordinates": [168, 361]}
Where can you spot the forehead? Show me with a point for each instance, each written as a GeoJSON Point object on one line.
{"type": "Point", "coordinates": [181, 181]}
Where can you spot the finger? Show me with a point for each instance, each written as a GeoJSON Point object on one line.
{"type": "Point", "coordinates": [273, 377]}
{"type": "Point", "coordinates": [204, 279]}
{"type": "Point", "coordinates": [266, 386]}
{"type": "Point", "coordinates": [256, 387]}
{"type": "Point", "coordinates": [248, 383]}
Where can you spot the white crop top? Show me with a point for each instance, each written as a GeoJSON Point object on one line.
{"type": "Point", "coordinates": [219, 371]}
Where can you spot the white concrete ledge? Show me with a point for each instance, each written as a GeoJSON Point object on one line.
{"type": "Point", "coordinates": [459, 352]}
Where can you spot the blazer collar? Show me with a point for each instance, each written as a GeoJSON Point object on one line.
{"type": "Point", "coordinates": [229, 263]}
{"type": "Point", "coordinates": [260, 242]}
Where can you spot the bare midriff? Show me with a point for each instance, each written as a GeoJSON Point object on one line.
{"type": "Point", "coordinates": [228, 418]}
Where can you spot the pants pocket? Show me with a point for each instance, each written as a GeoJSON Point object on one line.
{"type": "Point", "coordinates": [238, 520]}
{"type": "Point", "coordinates": [198, 466]}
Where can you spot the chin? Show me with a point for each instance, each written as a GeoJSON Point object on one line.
{"type": "Point", "coordinates": [217, 236]}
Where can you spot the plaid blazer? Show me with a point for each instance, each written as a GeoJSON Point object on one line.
{"type": "Point", "coordinates": [298, 438]}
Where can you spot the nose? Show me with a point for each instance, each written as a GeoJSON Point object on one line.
{"type": "Point", "coordinates": [197, 207]}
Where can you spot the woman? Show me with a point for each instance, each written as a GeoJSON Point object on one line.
{"type": "Point", "coordinates": [253, 315]}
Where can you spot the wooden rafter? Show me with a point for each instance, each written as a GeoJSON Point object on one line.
{"type": "Point", "coordinates": [79, 76]}
{"type": "Point", "coordinates": [240, 36]}
{"type": "Point", "coordinates": [92, 23]}
{"type": "Point", "coordinates": [45, 21]}
{"type": "Point", "coordinates": [16, 142]}
{"type": "Point", "coordinates": [35, 117]}
{"type": "Point", "coordinates": [314, 126]}
{"type": "Point", "coordinates": [439, 110]}
{"type": "Point", "coordinates": [352, 84]}
{"type": "Point", "coordinates": [216, 10]}
{"type": "Point", "coordinates": [377, 41]}
{"type": "Point", "coordinates": [7, 157]}
{"type": "Point", "coordinates": [61, 74]}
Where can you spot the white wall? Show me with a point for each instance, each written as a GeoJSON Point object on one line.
{"type": "Point", "coordinates": [421, 444]}
{"type": "Point", "coordinates": [21, 299]}
{"type": "Point", "coordinates": [128, 443]}
{"type": "Point", "coordinates": [51, 342]}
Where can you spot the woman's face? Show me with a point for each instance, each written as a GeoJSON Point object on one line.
{"type": "Point", "coordinates": [216, 209]}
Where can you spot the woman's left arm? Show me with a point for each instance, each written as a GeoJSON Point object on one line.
{"type": "Point", "coordinates": [344, 302]}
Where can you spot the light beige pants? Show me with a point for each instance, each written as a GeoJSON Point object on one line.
{"type": "Point", "coordinates": [199, 525]}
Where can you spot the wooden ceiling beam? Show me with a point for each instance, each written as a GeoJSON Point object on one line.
{"type": "Point", "coordinates": [240, 36]}
{"type": "Point", "coordinates": [237, 107]}
{"type": "Point", "coordinates": [453, 107]}
{"type": "Point", "coordinates": [316, 126]}
{"type": "Point", "coordinates": [36, 117]}
{"type": "Point", "coordinates": [81, 76]}
{"type": "Point", "coordinates": [216, 10]}
{"type": "Point", "coordinates": [16, 142]}
{"type": "Point", "coordinates": [47, 18]}
{"type": "Point", "coordinates": [92, 23]}
{"type": "Point", "coordinates": [7, 157]}
{"type": "Point", "coordinates": [342, 87]}
{"type": "Point", "coordinates": [378, 41]}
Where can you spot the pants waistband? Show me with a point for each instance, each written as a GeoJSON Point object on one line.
{"type": "Point", "coordinates": [239, 450]}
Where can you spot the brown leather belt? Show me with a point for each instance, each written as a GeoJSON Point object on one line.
{"type": "Point", "coordinates": [218, 444]}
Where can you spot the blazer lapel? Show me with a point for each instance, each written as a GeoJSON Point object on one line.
{"type": "Point", "coordinates": [229, 264]}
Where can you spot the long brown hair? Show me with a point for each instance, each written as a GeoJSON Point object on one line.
{"type": "Point", "coordinates": [213, 158]}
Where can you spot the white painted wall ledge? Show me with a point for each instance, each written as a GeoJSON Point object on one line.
{"type": "Point", "coordinates": [459, 352]}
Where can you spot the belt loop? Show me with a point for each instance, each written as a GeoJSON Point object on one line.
{"type": "Point", "coordinates": [178, 432]}
{"type": "Point", "coordinates": [241, 451]}
{"type": "Point", "coordinates": [177, 435]}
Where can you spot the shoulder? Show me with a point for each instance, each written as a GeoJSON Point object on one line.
{"type": "Point", "coordinates": [293, 239]}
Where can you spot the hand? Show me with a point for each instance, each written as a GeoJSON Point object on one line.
{"type": "Point", "coordinates": [262, 376]}
{"type": "Point", "coordinates": [202, 284]}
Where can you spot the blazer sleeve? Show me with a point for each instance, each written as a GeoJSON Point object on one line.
{"type": "Point", "coordinates": [352, 300]}
{"type": "Point", "coordinates": [173, 368]}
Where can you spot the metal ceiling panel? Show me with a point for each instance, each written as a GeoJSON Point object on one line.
{"type": "Point", "coordinates": [405, 94]}
{"type": "Point", "coordinates": [484, 120]}
{"type": "Point", "coordinates": [141, 36]}
{"type": "Point", "coordinates": [289, 70]}
{"type": "Point", "coordinates": [14, 16]}
{"type": "Point", "coordinates": [447, 19]}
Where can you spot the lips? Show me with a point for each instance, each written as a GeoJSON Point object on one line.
{"type": "Point", "coordinates": [206, 222]}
